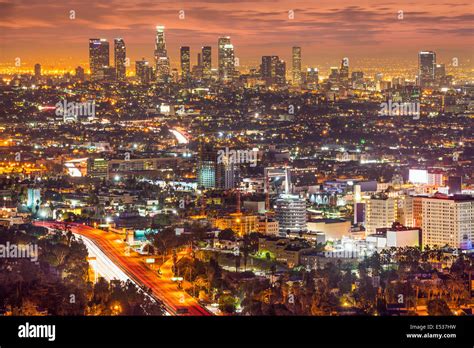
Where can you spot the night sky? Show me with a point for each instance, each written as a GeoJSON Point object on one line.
{"type": "Point", "coordinates": [41, 30]}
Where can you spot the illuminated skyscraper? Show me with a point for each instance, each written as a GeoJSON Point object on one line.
{"type": "Point", "coordinates": [333, 75]}
{"type": "Point", "coordinates": [426, 67]}
{"type": "Point", "coordinates": [273, 70]}
{"type": "Point", "coordinates": [440, 71]}
{"type": "Point", "coordinates": [80, 73]}
{"type": "Point", "coordinates": [120, 59]}
{"type": "Point", "coordinates": [162, 61]}
{"type": "Point", "coordinates": [344, 71]}
{"type": "Point", "coordinates": [226, 59]}
{"type": "Point", "coordinates": [312, 78]}
{"type": "Point", "coordinates": [448, 221]}
{"type": "Point", "coordinates": [185, 63]}
{"type": "Point", "coordinates": [143, 71]}
{"type": "Point", "coordinates": [296, 66]}
{"type": "Point", "coordinates": [380, 212]}
{"type": "Point", "coordinates": [206, 61]}
{"type": "Point", "coordinates": [98, 57]}
{"type": "Point", "coordinates": [290, 213]}
{"type": "Point", "coordinates": [37, 71]}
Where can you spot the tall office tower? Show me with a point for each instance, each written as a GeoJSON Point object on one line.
{"type": "Point", "coordinates": [440, 71]}
{"type": "Point", "coordinates": [357, 79]}
{"type": "Point", "coordinates": [426, 67]}
{"type": "Point", "coordinates": [206, 61]}
{"type": "Point", "coordinates": [280, 72]}
{"type": "Point", "coordinates": [334, 75]}
{"type": "Point", "coordinates": [120, 59]}
{"type": "Point", "coordinates": [80, 73]}
{"type": "Point", "coordinates": [143, 70]}
{"type": "Point", "coordinates": [290, 213]}
{"type": "Point", "coordinates": [37, 71]}
{"type": "Point", "coordinates": [448, 220]}
{"type": "Point", "coordinates": [98, 57]}
{"type": "Point", "coordinates": [207, 174]}
{"type": "Point", "coordinates": [267, 67]}
{"type": "Point", "coordinates": [185, 55]}
{"type": "Point", "coordinates": [199, 59]}
{"type": "Point", "coordinates": [296, 66]}
{"type": "Point", "coordinates": [344, 71]}
{"type": "Point", "coordinates": [162, 61]}
{"type": "Point", "coordinates": [227, 175]}
{"type": "Point", "coordinates": [379, 212]}
{"type": "Point", "coordinates": [273, 70]}
{"type": "Point", "coordinates": [226, 59]}
{"type": "Point", "coordinates": [312, 78]}
{"type": "Point", "coordinates": [206, 167]}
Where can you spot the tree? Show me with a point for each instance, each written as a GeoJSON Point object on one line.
{"type": "Point", "coordinates": [227, 234]}
{"type": "Point", "coordinates": [438, 307]}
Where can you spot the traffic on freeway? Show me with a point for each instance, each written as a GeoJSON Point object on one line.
{"type": "Point", "coordinates": [176, 301]}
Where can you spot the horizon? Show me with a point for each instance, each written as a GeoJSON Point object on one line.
{"type": "Point", "coordinates": [326, 32]}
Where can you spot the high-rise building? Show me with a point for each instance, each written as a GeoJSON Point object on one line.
{"type": "Point", "coordinates": [312, 78]}
{"type": "Point", "coordinates": [379, 212]}
{"type": "Point", "coordinates": [207, 174]}
{"type": "Point", "coordinates": [273, 70]}
{"type": "Point", "coordinates": [206, 61]}
{"type": "Point", "coordinates": [267, 66]}
{"type": "Point", "coordinates": [98, 57]}
{"type": "Point", "coordinates": [440, 71]}
{"type": "Point", "coordinates": [426, 67]}
{"type": "Point", "coordinates": [226, 59]}
{"type": "Point", "coordinates": [199, 59]}
{"type": "Point", "coordinates": [80, 73]}
{"type": "Point", "coordinates": [227, 175]}
{"type": "Point", "coordinates": [120, 59]}
{"type": "Point", "coordinates": [333, 75]}
{"type": "Point", "coordinates": [143, 70]}
{"type": "Point", "coordinates": [448, 220]}
{"type": "Point", "coordinates": [185, 55]}
{"type": "Point", "coordinates": [37, 71]}
{"type": "Point", "coordinates": [280, 73]}
{"type": "Point", "coordinates": [162, 61]}
{"type": "Point", "coordinates": [296, 65]}
{"type": "Point", "coordinates": [344, 71]}
{"type": "Point", "coordinates": [290, 213]}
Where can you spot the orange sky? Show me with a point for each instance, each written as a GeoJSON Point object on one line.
{"type": "Point", "coordinates": [41, 30]}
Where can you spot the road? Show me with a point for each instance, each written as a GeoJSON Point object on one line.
{"type": "Point", "coordinates": [132, 264]}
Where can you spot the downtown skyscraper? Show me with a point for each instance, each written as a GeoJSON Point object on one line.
{"type": "Point", "coordinates": [273, 70]}
{"type": "Point", "coordinates": [206, 61]}
{"type": "Point", "coordinates": [162, 61]}
{"type": "Point", "coordinates": [185, 55]}
{"type": "Point", "coordinates": [98, 57]}
{"type": "Point", "coordinates": [426, 67]}
{"type": "Point", "coordinates": [226, 59]}
{"type": "Point", "coordinates": [120, 59]}
{"type": "Point", "coordinates": [296, 65]}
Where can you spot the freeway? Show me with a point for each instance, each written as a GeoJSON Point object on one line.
{"type": "Point", "coordinates": [131, 263]}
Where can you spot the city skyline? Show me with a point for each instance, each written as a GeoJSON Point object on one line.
{"type": "Point", "coordinates": [251, 159]}
{"type": "Point", "coordinates": [323, 32]}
